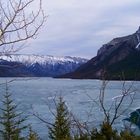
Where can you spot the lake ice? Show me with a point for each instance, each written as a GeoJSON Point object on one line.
{"type": "Point", "coordinates": [37, 93]}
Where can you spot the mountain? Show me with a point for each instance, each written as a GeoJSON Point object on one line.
{"type": "Point", "coordinates": [120, 58]}
{"type": "Point", "coordinates": [38, 65]}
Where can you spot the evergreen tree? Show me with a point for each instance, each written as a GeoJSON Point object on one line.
{"type": "Point", "coordinates": [106, 132]}
{"type": "Point", "coordinates": [82, 137]}
{"type": "Point", "coordinates": [60, 130]}
{"type": "Point", "coordinates": [32, 135]}
{"type": "Point", "coordinates": [10, 121]}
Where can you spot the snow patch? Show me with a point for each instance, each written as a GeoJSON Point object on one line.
{"type": "Point", "coordinates": [41, 59]}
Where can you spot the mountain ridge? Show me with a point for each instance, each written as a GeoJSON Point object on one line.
{"type": "Point", "coordinates": [117, 51]}
{"type": "Point", "coordinates": [38, 65]}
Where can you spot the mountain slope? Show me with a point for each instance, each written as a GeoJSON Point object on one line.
{"type": "Point", "coordinates": [36, 65]}
{"type": "Point", "coordinates": [118, 57]}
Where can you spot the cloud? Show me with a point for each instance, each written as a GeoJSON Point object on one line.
{"type": "Point", "coordinates": [79, 27]}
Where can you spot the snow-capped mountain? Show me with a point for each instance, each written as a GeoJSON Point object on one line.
{"type": "Point", "coordinates": [41, 59]}
{"type": "Point", "coordinates": [38, 65]}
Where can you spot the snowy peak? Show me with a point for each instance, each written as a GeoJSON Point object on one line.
{"type": "Point", "coordinates": [41, 59]}
{"type": "Point", "coordinates": [38, 65]}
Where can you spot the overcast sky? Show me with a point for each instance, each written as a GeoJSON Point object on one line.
{"type": "Point", "coordinates": [81, 27]}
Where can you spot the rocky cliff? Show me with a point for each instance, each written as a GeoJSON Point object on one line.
{"type": "Point", "coordinates": [116, 59]}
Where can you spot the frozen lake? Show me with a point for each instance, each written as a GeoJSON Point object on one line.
{"type": "Point", "coordinates": [78, 95]}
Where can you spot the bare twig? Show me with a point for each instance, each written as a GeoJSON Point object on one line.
{"type": "Point", "coordinates": [17, 24]}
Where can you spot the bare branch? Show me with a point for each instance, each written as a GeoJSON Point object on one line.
{"type": "Point", "coordinates": [17, 23]}
{"type": "Point", "coordinates": [126, 91]}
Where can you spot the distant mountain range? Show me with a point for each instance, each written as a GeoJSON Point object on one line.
{"type": "Point", "coordinates": [118, 59]}
{"type": "Point", "coordinates": [15, 65]}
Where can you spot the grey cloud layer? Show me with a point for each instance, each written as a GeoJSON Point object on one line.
{"type": "Point", "coordinates": [80, 27]}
